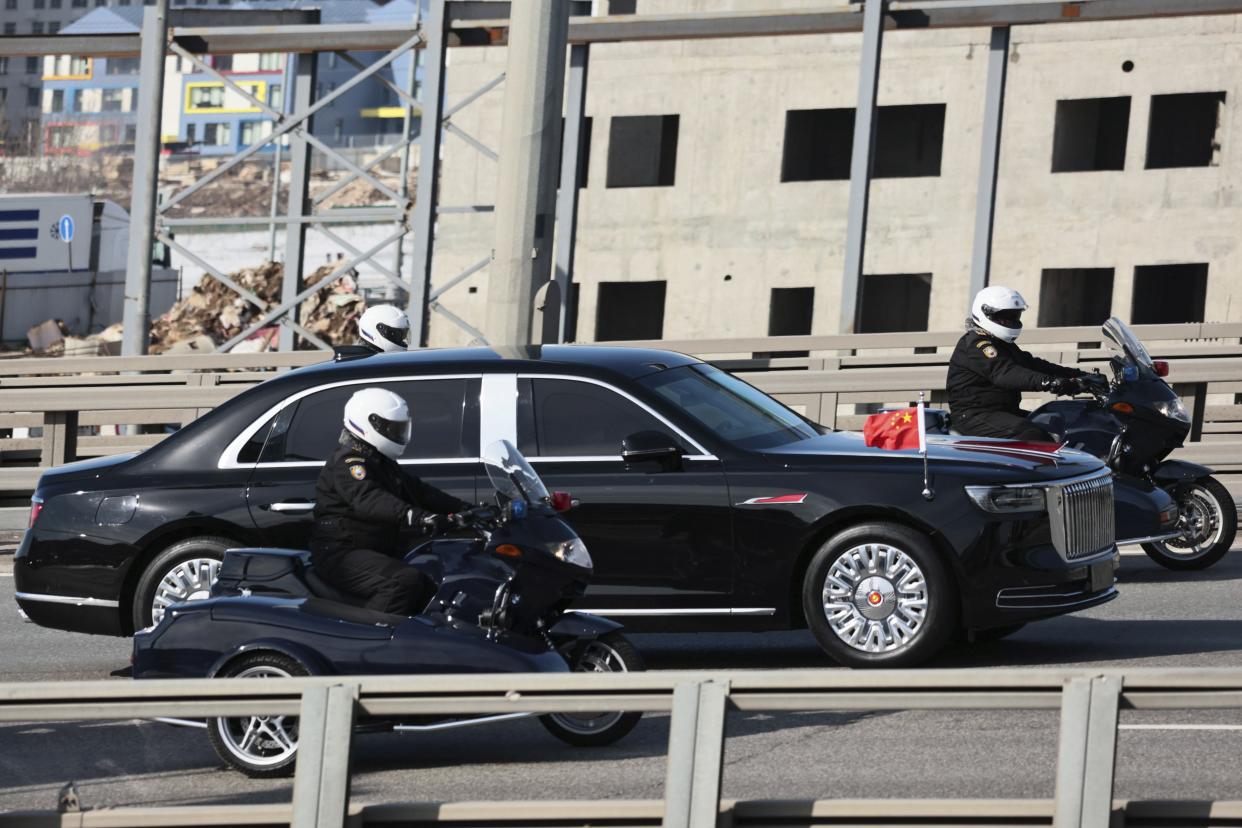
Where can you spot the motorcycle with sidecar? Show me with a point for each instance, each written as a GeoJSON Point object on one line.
{"type": "Point", "coordinates": [503, 586]}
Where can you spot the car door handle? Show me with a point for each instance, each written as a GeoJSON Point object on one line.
{"type": "Point", "coordinates": [294, 506]}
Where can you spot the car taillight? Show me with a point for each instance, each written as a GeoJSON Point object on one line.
{"type": "Point", "coordinates": [36, 506]}
{"type": "Point", "coordinates": [1162, 368]}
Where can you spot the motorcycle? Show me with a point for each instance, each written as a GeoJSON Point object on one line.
{"type": "Point", "coordinates": [1134, 421]}
{"type": "Point", "coordinates": [503, 582]}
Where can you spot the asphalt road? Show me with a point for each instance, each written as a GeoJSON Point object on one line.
{"type": "Point", "coordinates": [1161, 619]}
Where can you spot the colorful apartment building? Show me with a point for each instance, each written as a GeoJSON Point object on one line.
{"type": "Point", "coordinates": [89, 105]}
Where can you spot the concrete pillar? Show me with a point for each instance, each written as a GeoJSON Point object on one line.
{"type": "Point", "coordinates": [529, 147]}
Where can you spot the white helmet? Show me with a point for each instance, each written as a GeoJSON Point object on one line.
{"type": "Point", "coordinates": [379, 418]}
{"type": "Point", "coordinates": [385, 327]}
{"type": "Point", "coordinates": [998, 310]}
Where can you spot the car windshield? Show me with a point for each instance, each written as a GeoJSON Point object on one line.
{"type": "Point", "coordinates": [729, 408]}
{"type": "Point", "coordinates": [1124, 340]}
{"type": "Point", "coordinates": [511, 475]}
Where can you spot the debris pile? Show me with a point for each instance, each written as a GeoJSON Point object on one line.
{"type": "Point", "coordinates": [212, 313]}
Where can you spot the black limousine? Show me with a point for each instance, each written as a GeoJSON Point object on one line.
{"type": "Point", "coordinates": [706, 504]}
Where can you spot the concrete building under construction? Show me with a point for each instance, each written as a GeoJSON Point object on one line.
{"type": "Point", "coordinates": [715, 178]}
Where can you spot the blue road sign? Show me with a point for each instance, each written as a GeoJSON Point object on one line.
{"type": "Point", "coordinates": [65, 227]}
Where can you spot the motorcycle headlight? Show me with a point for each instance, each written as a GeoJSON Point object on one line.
{"type": "Point", "coordinates": [573, 552]}
{"type": "Point", "coordinates": [1007, 500]}
{"type": "Point", "coordinates": [1173, 409]}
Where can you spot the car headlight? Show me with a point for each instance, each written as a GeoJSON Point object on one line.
{"type": "Point", "coordinates": [1007, 500]}
{"type": "Point", "coordinates": [573, 552]}
{"type": "Point", "coordinates": [1174, 409]}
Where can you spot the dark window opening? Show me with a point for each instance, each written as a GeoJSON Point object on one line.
{"type": "Point", "coordinates": [1090, 135]}
{"type": "Point", "coordinates": [790, 314]}
{"type": "Point", "coordinates": [567, 418]}
{"type": "Point", "coordinates": [909, 143]}
{"type": "Point", "coordinates": [1169, 294]}
{"type": "Point", "coordinates": [630, 310]}
{"type": "Point", "coordinates": [1182, 130]}
{"type": "Point", "coordinates": [894, 302]}
{"type": "Point", "coordinates": [642, 151]}
{"type": "Point", "coordinates": [622, 6]}
{"type": "Point", "coordinates": [1075, 296]}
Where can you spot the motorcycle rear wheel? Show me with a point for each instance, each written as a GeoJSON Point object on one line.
{"type": "Point", "coordinates": [1211, 521]}
{"type": "Point", "coordinates": [610, 653]}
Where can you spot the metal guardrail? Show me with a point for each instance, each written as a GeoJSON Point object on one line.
{"type": "Point", "coordinates": [838, 375]}
{"type": "Point", "coordinates": [1089, 703]}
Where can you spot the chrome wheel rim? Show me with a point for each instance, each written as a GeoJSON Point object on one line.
{"type": "Point", "coordinates": [598, 657]}
{"type": "Point", "coordinates": [187, 581]}
{"type": "Point", "coordinates": [262, 741]}
{"type": "Point", "coordinates": [1202, 522]}
{"type": "Point", "coordinates": [875, 598]}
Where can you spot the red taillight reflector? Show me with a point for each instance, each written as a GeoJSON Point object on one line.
{"type": "Point", "coordinates": [36, 506]}
{"type": "Point", "coordinates": [1162, 368]}
{"type": "Point", "coordinates": [1123, 407]}
{"type": "Point", "coordinates": [562, 501]}
{"type": "Point", "coordinates": [508, 550]}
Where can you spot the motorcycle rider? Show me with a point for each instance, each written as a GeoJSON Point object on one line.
{"type": "Point", "coordinates": [988, 372]}
{"type": "Point", "coordinates": [383, 328]}
{"type": "Point", "coordinates": [365, 503]}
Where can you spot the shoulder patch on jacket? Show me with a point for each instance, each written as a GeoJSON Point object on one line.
{"type": "Point", "coordinates": [989, 351]}
{"type": "Point", "coordinates": [358, 471]}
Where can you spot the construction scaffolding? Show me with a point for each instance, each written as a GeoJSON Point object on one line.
{"type": "Point", "coordinates": [481, 23]}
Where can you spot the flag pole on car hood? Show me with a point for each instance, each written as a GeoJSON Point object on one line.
{"type": "Point", "coordinates": [927, 489]}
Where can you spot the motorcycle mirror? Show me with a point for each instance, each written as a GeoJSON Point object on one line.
{"type": "Point", "coordinates": [562, 501]}
{"type": "Point", "coordinates": [1162, 367]}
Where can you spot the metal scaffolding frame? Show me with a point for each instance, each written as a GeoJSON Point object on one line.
{"type": "Point", "coordinates": [469, 23]}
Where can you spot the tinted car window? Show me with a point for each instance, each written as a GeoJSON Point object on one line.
{"type": "Point", "coordinates": [445, 416]}
{"type": "Point", "coordinates": [729, 408]}
{"type": "Point", "coordinates": [566, 418]}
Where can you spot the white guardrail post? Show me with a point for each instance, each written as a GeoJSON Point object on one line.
{"type": "Point", "coordinates": [695, 755]}
{"type": "Point", "coordinates": [1086, 764]}
{"type": "Point", "coordinates": [321, 781]}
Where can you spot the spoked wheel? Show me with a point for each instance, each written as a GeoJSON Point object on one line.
{"type": "Point", "coordinates": [610, 653]}
{"type": "Point", "coordinates": [183, 572]}
{"type": "Point", "coordinates": [1209, 522]}
{"type": "Point", "coordinates": [259, 746]}
{"type": "Point", "coordinates": [878, 595]}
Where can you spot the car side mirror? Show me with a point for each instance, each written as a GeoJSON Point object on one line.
{"type": "Point", "coordinates": [651, 446]}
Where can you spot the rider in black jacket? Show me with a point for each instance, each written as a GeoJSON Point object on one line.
{"type": "Point", "coordinates": [365, 504]}
{"type": "Point", "coordinates": [988, 372]}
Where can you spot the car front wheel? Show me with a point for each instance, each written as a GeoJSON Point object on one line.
{"type": "Point", "coordinates": [878, 595]}
{"type": "Point", "coordinates": [183, 572]}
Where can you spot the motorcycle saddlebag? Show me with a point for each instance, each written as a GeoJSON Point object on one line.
{"type": "Point", "coordinates": [263, 572]}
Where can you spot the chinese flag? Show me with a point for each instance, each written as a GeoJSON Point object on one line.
{"type": "Point", "coordinates": [893, 429]}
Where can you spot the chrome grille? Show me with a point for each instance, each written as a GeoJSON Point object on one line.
{"type": "Point", "coordinates": [1081, 513]}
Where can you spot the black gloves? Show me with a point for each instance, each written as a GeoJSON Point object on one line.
{"type": "Point", "coordinates": [1069, 386]}
{"type": "Point", "coordinates": [433, 524]}
{"type": "Point", "coordinates": [1062, 386]}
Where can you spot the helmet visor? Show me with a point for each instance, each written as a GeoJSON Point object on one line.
{"type": "Point", "coordinates": [1010, 318]}
{"type": "Point", "coordinates": [394, 335]}
{"type": "Point", "coordinates": [396, 430]}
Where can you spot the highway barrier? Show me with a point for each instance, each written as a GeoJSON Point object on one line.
{"type": "Point", "coordinates": [834, 380]}
{"type": "Point", "coordinates": [1089, 702]}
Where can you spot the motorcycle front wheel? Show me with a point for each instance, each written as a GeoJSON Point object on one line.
{"type": "Point", "coordinates": [1209, 522]}
{"type": "Point", "coordinates": [610, 653]}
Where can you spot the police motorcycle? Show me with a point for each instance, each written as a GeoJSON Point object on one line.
{"type": "Point", "coordinates": [1134, 420]}
{"type": "Point", "coordinates": [504, 580]}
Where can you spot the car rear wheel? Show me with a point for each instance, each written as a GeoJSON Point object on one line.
{"type": "Point", "coordinates": [610, 653]}
{"type": "Point", "coordinates": [262, 747]}
{"type": "Point", "coordinates": [183, 572]}
{"type": "Point", "coordinates": [878, 595]}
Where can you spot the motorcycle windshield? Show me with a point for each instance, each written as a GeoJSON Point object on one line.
{"type": "Point", "coordinates": [1124, 340]}
{"type": "Point", "coordinates": [511, 476]}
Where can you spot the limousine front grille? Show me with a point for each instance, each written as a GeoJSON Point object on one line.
{"type": "Point", "coordinates": [1081, 513]}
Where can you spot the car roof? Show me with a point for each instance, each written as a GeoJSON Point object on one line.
{"type": "Point", "coordinates": [617, 360]}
